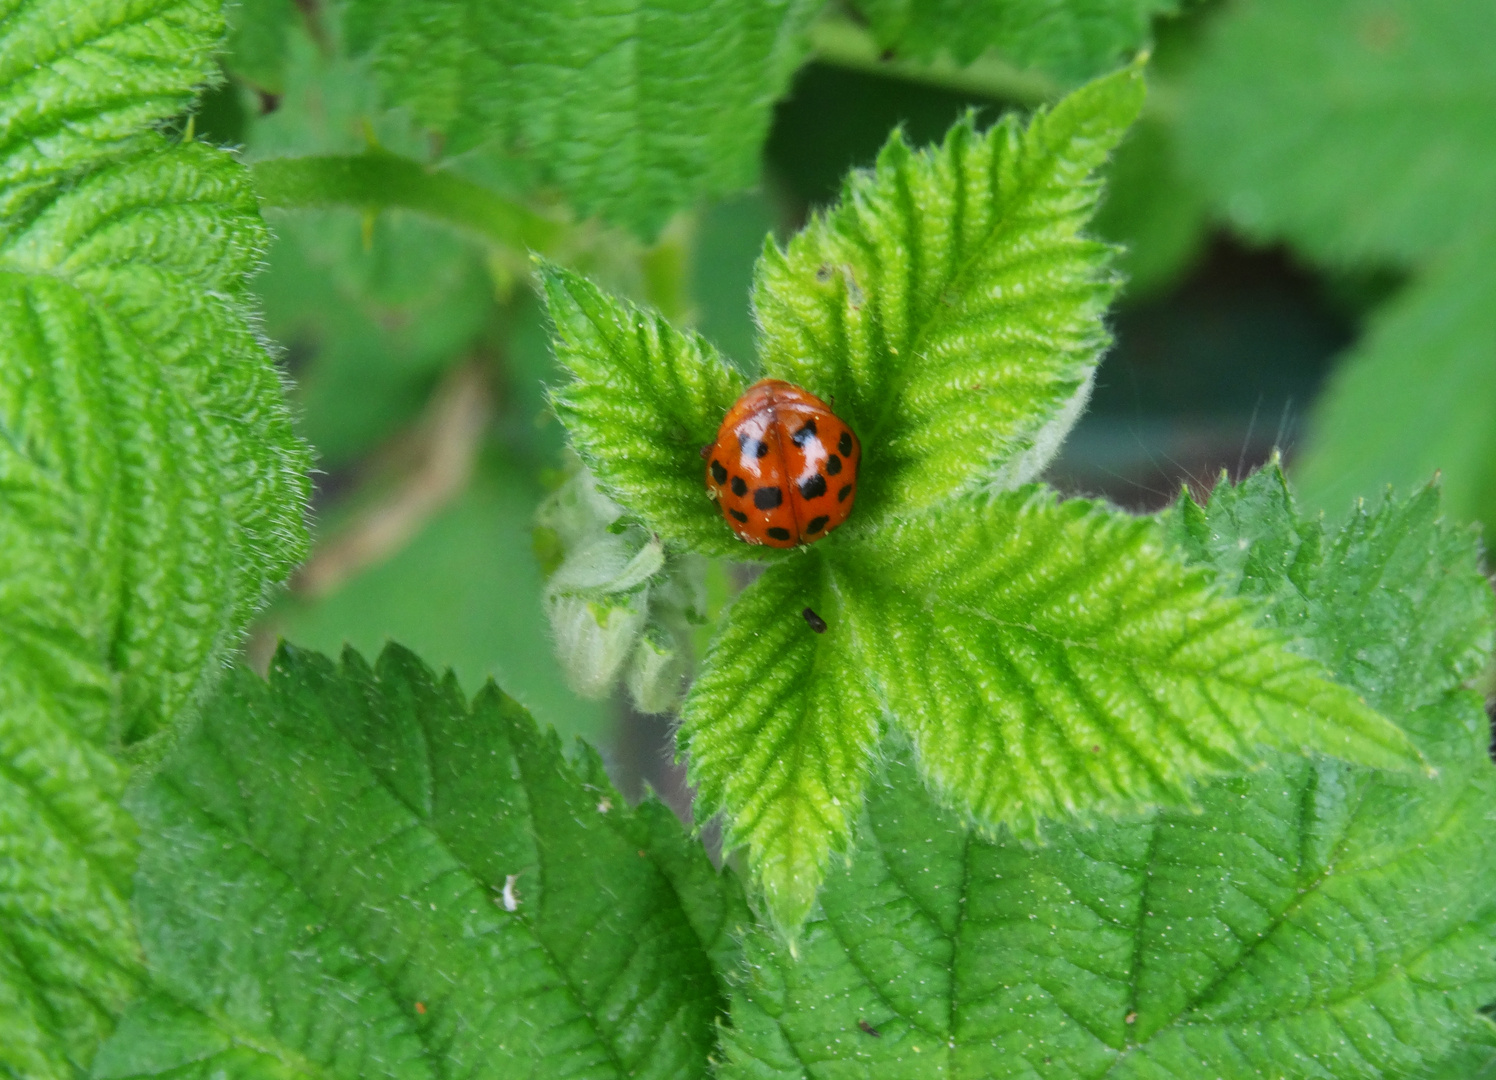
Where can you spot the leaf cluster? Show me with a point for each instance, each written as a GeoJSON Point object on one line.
{"type": "Point", "coordinates": [352, 871]}
{"type": "Point", "coordinates": [1045, 659]}
{"type": "Point", "coordinates": [1313, 918]}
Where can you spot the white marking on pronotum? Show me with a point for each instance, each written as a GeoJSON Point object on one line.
{"type": "Point", "coordinates": [510, 899]}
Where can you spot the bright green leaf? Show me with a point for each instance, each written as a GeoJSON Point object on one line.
{"type": "Point", "coordinates": [84, 82]}
{"type": "Point", "coordinates": [1311, 919]}
{"type": "Point", "coordinates": [950, 305]}
{"type": "Point", "coordinates": [135, 380]}
{"type": "Point", "coordinates": [69, 963]}
{"type": "Point", "coordinates": [633, 111]}
{"type": "Point", "coordinates": [1415, 397]}
{"type": "Point", "coordinates": [1048, 660]}
{"type": "Point", "coordinates": [643, 400]}
{"type": "Point", "coordinates": [1070, 39]}
{"type": "Point", "coordinates": [781, 726]}
{"type": "Point", "coordinates": [153, 490]}
{"type": "Point", "coordinates": [352, 872]}
{"type": "Point", "coordinates": [1052, 658]}
{"type": "Point", "coordinates": [1355, 128]}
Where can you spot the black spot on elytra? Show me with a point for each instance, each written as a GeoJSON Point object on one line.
{"type": "Point", "coordinates": [767, 498]}
{"type": "Point", "coordinates": [817, 524]}
{"type": "Point", "coordinates": [844, 444]}
{"type": "Point", "coordinates": [719, 474]}
{"type": "Point", "coordinates": [751, 445]}
{"type": "Point", "coordinates": [779, 534]}
{"type": "Point", "coordinates": [739, 515]}
{"type": "Point", "coordinates": [738, 487]}
{"type": "Point", "coordinates": [817, 623]}
{"type": "Point", "coordinates": [813, 488]}
{"type": "Point", "coordinates": [805, 434]}
{"type": "Point", "coordinates": [833, 465]}
{"type": "Point", "coordinates": [841, 496]}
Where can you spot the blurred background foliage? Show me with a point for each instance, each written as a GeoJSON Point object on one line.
{"type": "Point", "coordinates": [1308, 208]}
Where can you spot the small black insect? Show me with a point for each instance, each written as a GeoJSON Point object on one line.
{"type": "Point", "coordinates": [817, 623]}
{"type": "Point", "coordinates": [874, 1032]}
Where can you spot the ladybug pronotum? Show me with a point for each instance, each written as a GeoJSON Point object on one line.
{"type": "Point", "coordinates": [783, 467]}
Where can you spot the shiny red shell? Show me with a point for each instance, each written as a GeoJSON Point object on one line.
{"type": "Point", "coordinates": [783, 467]}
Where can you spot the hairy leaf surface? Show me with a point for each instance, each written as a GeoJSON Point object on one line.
{"type": "Point", "coordinates": [1415, 396]}
{"type": "Point", "coordinates": [150, 487]}
{"type": "Point", "coordinates": [1312, 919]}
{"type": "Point", "coordinates": [1372, 135]}
{"type": "Point", "coordinates": [352, 872]}
{"type": "Point", "coordinates": [781, 726]}
{"type": "Point", "coordinates": [1070, 39]}
{"type": "Point", "coordinates": [1048, 660]}
{"type": "Point", "coordinates": [1052, 658]}
{"type": "Point", "coordinates": [643, 400]}
{"type": "Point", "coordinates": [1348, 598]}
{"type": "Point", "coordinates": [950, 305]}
{"type": "Point", "coordinates": [633, 110]}
{"type": "Point", "coordinates": [137, 390]}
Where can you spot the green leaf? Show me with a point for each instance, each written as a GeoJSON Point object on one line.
{"type": "Point", "coordinates": [1352, 601]}
{"type": "Point", "coordinates": [1070, 39]}
{"type": "Point", "coordinates": [152, 489]}
{"type": "Point", "coordinates": [84, 82]}
{"type": "Point", "coordinates": [1311, 919]}
{"type": "Point", "coordinates": [69, 963]}
{"type": "Point", "coordinates": [643, 400]}
{"type": "Point", "coordinates": [1051, 658]}
{"type": "Point", "coordinates": [135, 380]}
{"type": "Point", "coordinates": [781, 726]}
{"type": "Point", "coordinates": [1048, 660]}
{"type": "Point", "coordinates": [257, 41]}
{"type": "Point", "coordinates": [1355, 128]}
{"type": "Point", "coordinates": [1415, 396]}
{"type": "Point", "coordinates": [1282, 930]}
{"type": "Point", "coordinates": [950, 305]}
{"type": "Point", "coordinates": [633, 112]}
{"type": "Point", "coordinates": [352, 872]}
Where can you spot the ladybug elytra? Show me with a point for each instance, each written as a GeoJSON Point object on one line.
{"type": "Point", "coordinates": [783, 467]}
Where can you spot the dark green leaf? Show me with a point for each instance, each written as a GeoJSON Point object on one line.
{"type": "Point", "coordinates": [633, 111]}
{"type": "Point", "coordinates": [1416, 396]}
{"type": "Point", "coordinates": [1355, 128]}
{"type": "Point", "coordinates": [351, 872]}
{"type": "Point", "coordinates": [1070, 39]}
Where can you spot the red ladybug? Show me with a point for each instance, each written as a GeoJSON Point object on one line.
{"type": "Point", "coordinates": [783, 467]}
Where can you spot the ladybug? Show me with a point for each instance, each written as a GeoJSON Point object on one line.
{"type": "Point", "coordinates": [783, 467]}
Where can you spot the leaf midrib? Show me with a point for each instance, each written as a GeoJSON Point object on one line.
{"type": "Point", "coordinates": [367, 962]}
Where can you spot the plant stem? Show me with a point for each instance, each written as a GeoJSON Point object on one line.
{"type": "Point", "coordinates": [841, 42]}
{"type": "Point", "coordinates": [377, 180]}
